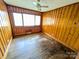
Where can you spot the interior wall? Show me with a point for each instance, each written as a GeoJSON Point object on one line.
{"type": "Point", "coordinates": [22, 30]}
{"type": "Point", "coordinates": [62, 24]}
{"type": "Point", "coordinates": [5, 29]}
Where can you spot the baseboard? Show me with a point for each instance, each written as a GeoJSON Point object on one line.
{"type": "Point", "coordinates": [25, 34]}
{"type": "Point", "coordinates": [5, 55]}
{"type": "Point", "coordinates": [60, 41]}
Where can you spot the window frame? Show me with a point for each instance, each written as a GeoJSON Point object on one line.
{"type": "Point", "coordinates": [33, 19]}
{"type": "Point", "coordinates": [23, 19]}
{"type": "Point", "coordinates": [36, 19]}
{"type": "Point", "coordinates": [14, 19]}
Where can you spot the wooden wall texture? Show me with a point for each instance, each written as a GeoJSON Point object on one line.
{"type": "Point", "coordinates": [20, 30]}
{"type": "Point", "coordinates": [5, 29]}
{"type": "Point", "coordinates": [63, 25]}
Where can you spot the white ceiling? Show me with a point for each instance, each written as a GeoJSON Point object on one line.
{"type": "Point", "coordinates": [53, 4]}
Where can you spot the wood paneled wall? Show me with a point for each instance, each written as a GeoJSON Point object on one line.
{"type": "Point", "coordinates": [20, 30]}
{"type": "Point", "coordinates": [63, 25]}
{"type": "Point", "coordinates": [5, 29]}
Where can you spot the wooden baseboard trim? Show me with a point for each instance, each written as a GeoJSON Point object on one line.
{"type": "Point", "coordinates": [5, 55]}
{"type": "Point", "coordinates": [60, 41]}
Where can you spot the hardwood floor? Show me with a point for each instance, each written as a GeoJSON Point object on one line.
{"type": "Point", "coordinates": [37, 46]}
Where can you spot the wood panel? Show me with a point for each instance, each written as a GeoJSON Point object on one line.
{"type": "Point", "coordinates": [20, 30]}
{"type": "Point", "coordinates": [5, 29]}
{"type": "Point", "coordinates": [63, 25]}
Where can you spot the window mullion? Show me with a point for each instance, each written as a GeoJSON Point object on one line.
{"type": "Point", "coordinates": [22, 20]}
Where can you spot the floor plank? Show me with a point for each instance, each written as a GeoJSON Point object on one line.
{"type": "Point", "coordinates": [36, 46]}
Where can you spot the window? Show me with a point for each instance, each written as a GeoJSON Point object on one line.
{"type": "Point", "coordinates": [28, 20]}
{"type": "Point", "coordinates": [18, 19]}
{"type": "Point", "coordinates": [37, 20]}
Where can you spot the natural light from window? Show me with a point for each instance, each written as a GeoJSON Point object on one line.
{"type": "Point", "coordinates": [28, 20]}
{"type": "Point", "coordinates": [17, 19]}
{"type": "Point", "coordinates": [37, 20]}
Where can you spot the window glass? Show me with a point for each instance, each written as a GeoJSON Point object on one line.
{"type": "Point", "coordinates": [18, 19]}
{"type": "Point", "coordinates": [37, 20]}
{"type": "Point", "coordinates": [28, 20]}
